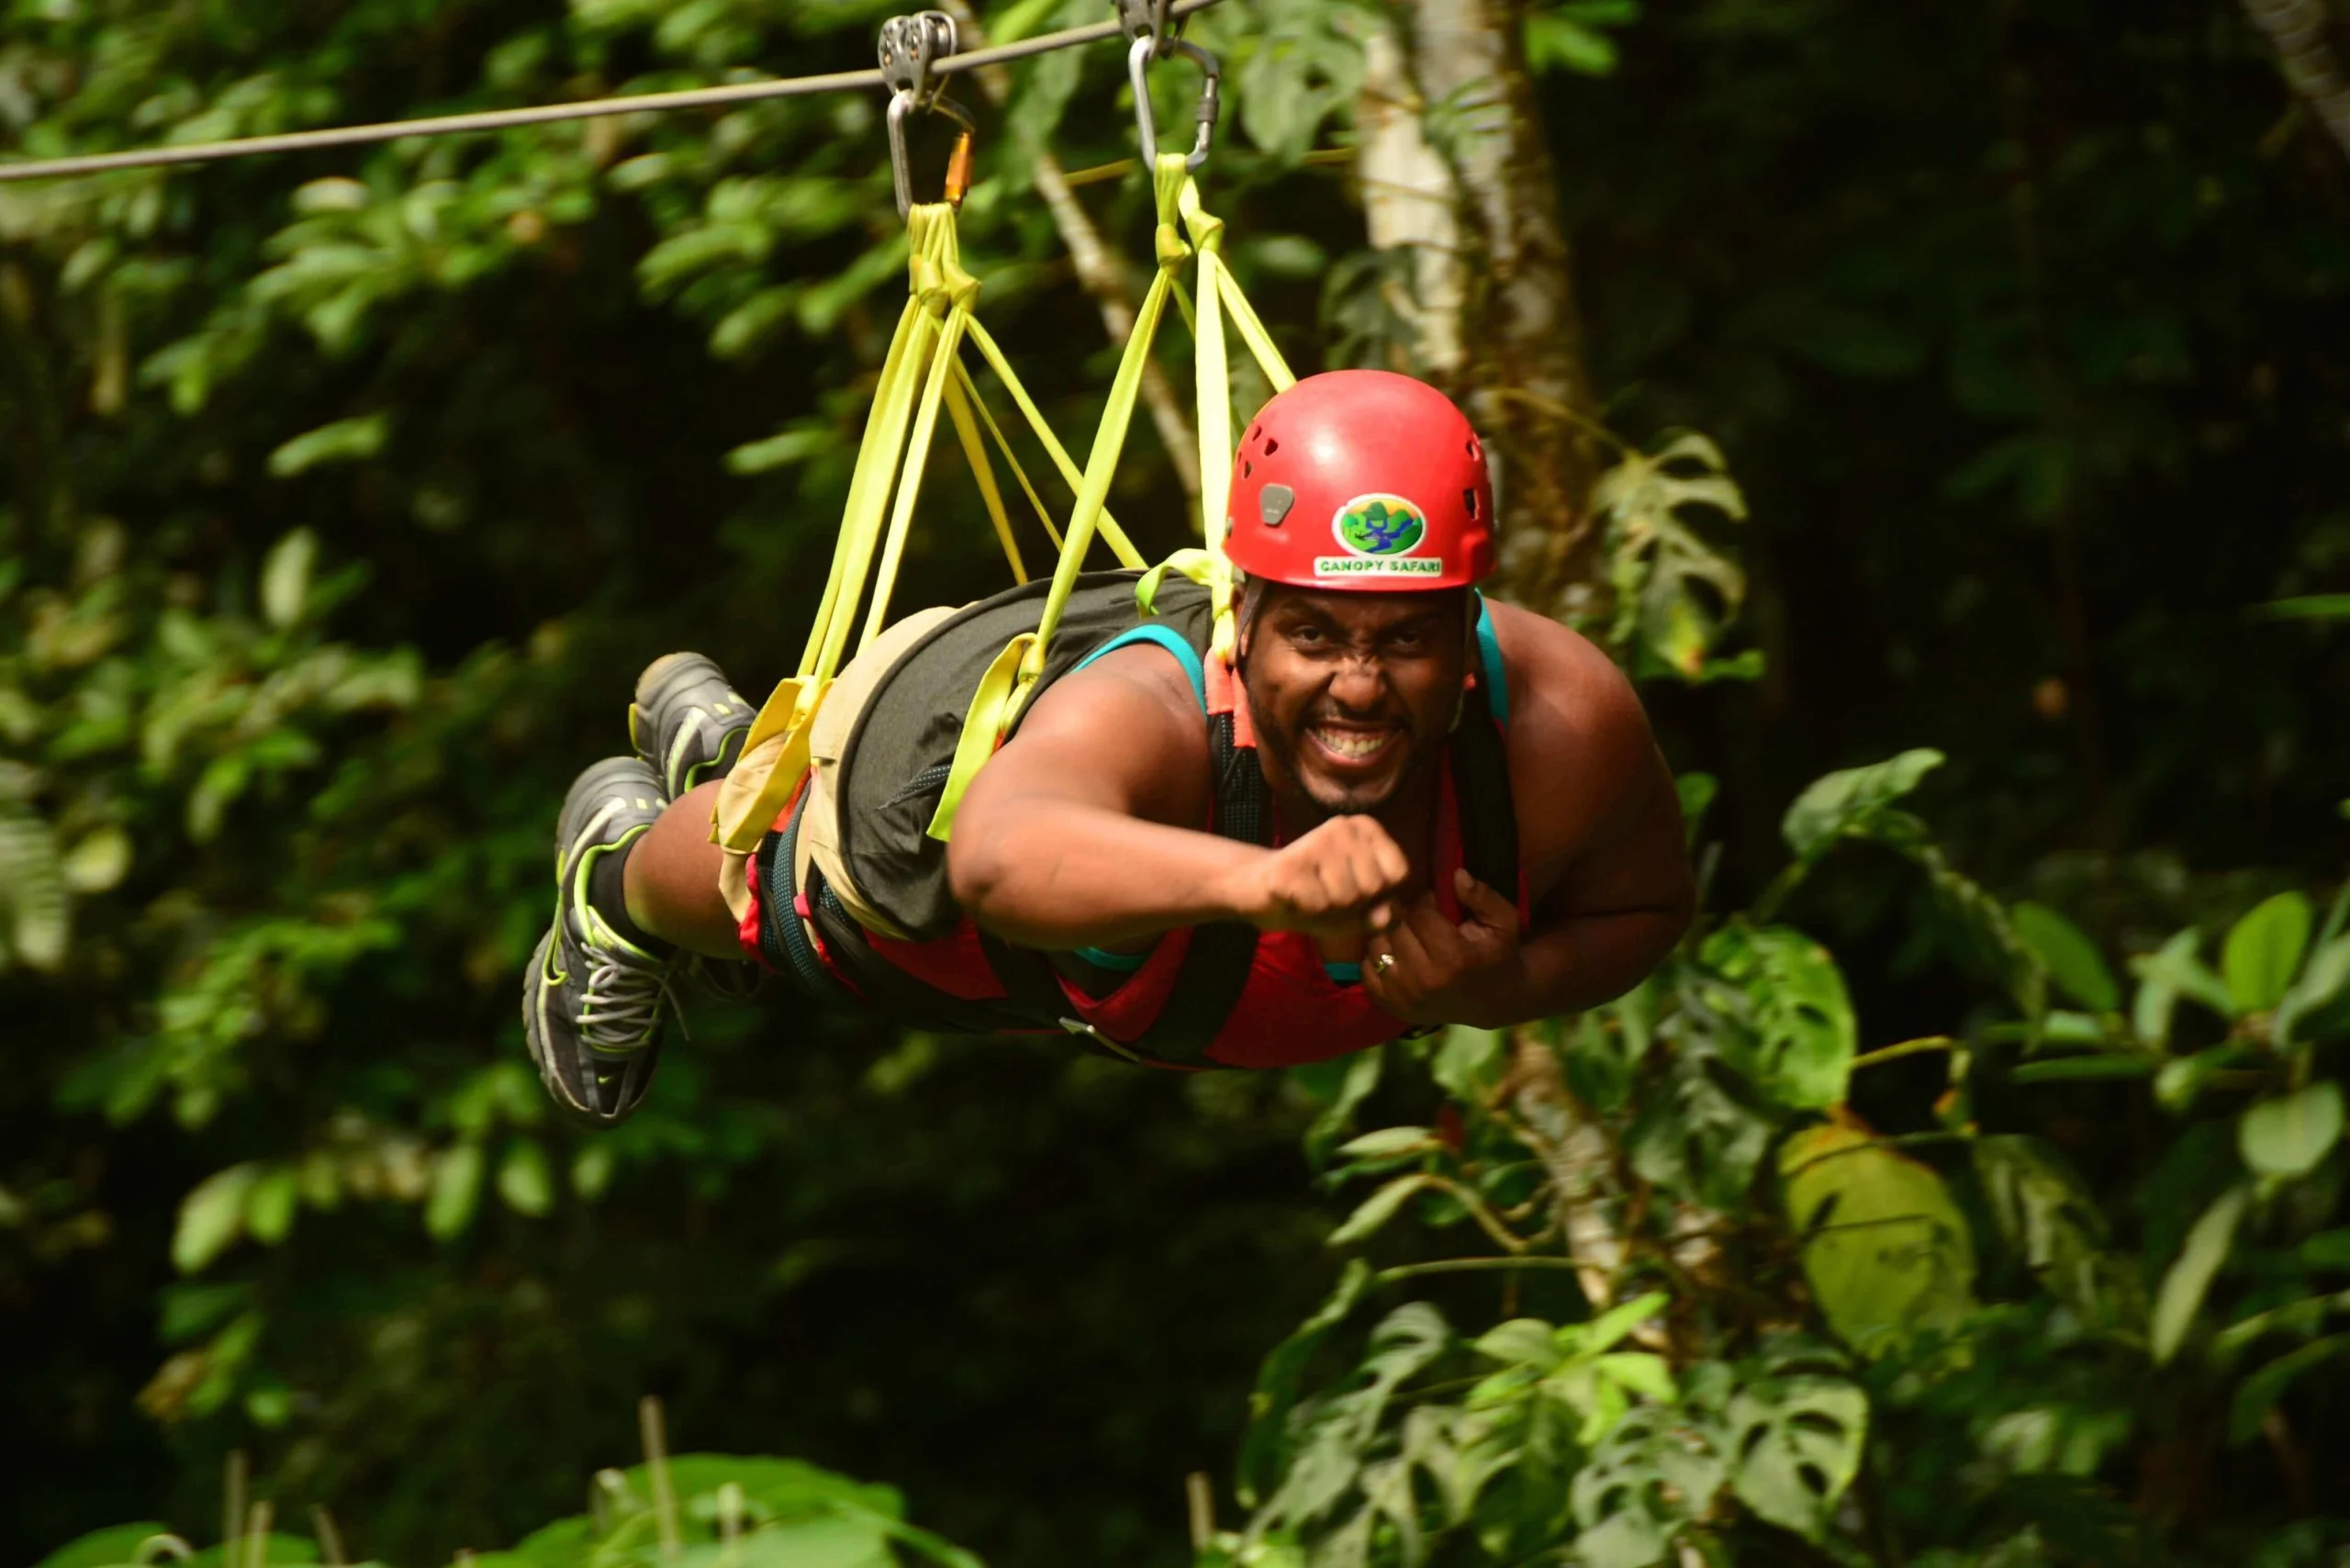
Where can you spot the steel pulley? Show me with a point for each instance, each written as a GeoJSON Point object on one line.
{"type": "Point", "coordinates": [911, 46]}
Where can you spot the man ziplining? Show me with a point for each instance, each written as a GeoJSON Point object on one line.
{"type": "Point", "coordinates": [1396, 806]}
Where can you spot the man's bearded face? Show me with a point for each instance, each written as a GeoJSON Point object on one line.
{"type": "Point", "coordinates": [1352, 693]}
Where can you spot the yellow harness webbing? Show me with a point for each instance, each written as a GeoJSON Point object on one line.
{"type": "Point", "coordinates": [1013, 677]}
{"type": "Point", "coordinates": [923, 371]}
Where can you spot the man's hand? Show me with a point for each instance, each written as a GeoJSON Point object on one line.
{"type": "Point", "coordinates": [1424, 969]}
{"type": "Point", "coordinates": [1337, 882]}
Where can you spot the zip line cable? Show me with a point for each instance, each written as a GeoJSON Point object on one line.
{"type": "Point", "coordinates": [548, 113]}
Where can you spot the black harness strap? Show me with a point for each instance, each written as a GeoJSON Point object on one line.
{"type": "Point", "coordinates": [1219, 954]}
{"type": "Point", "coordinates": [1485, 810]}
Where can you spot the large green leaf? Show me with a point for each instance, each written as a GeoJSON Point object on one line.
{"type": "Point", "coordinates": [2289, 1134]}
{"type": "Point", "coordinates": [108, 1548]}
{"type": "Point", "coordinates": [1676, 593]}
{"type": "Point", "coordinates": [2190, 1277]}
{"type": "Point", "coordinates": [1800, 1052]}
{"type": "Point", "coordinates": [1336, 1431]}
{"type": "Point", "coordinates": [2264, 949]}
{"type": "Point", "coordinates": [2072, 960]}
{"type": "Point", "coordinates": [1796, 1428]}
{"type": "Point", "coordinates": [269, 1205]}
{"type": "Point", "coordinates": [1656, 1471]}
{"type": "Point", "coordinates": [1844, 802]}
{"type": "Point", "coordinates": [273, 1551]}
{"type": "Point", "coordinates": [523, 1180]}
{"type": "Point", "coordinates": [1696, 1133]}
{"type": "Point", "coordinates": [1886, 1248]}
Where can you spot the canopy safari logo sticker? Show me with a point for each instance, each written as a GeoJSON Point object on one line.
{"type": "Point", "coordinates": [1380, 533]}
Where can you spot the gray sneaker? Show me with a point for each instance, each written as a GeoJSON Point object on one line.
{"type": "Point", "coordinates": [687, 722]}
{"type": "Point", "coordinates": [593, 1001]}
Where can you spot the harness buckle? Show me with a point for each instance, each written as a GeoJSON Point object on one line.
{"type": "Point", "coordinates": [910, 50]}
{"type": "Point", "coordinates": [1078, 1026]}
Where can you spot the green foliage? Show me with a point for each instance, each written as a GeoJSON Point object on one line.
{"type": "Point", "coordinates": [1681, 1417]}
{"type": "Point", "coordinates": [1676, 593]}
{"type": "Point", "coordinates": [343, 497]}
{"type": "Point", "coordinates": [1886, 1248]}
{"type": "Point", "coordinates": [761, 1513]}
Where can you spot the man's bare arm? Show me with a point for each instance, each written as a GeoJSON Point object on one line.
{"type": "Point", "coordinates": [1600, 836]}
{"type": "Point", "coordinates": [1076, 833]}
{"type": "Point", "coordinates": [1624, 894]}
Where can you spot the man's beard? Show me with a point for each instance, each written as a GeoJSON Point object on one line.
{"type": "Point", "coordinates": [1282, 744]}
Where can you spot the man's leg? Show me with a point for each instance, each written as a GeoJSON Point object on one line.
{"type": "Point", "coordinates": [670, 880]}
{"type": "Point", "coordinates": [599, 986]}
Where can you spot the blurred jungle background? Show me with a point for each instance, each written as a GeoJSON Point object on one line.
{"type": "Point", "coordinates": [1944, 412]}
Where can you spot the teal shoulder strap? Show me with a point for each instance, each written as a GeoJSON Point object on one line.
{"type": "Point", "coordinates": [1167, 638]}
{"type": "Point", "coordinates": [1491, 669]}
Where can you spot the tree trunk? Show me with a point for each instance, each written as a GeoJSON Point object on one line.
{"type": "Point", "coordinates": [2301, 31]}
{"type": "Point", "coordinates": [1494, 313]}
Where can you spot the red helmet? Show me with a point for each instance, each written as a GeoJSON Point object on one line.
{"type": "Point", "coordinates": [1361, 480]}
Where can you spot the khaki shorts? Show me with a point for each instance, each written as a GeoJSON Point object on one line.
{"type": "Point", "coordinates": [819, 832]}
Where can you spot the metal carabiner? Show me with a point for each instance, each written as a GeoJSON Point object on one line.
{"type": "Point", "coordinates": [909, 46]}
{"type": "Point", "coordinates": [1145, 49]}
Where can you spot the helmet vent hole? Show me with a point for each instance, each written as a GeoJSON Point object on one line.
{"type": "Point", "coordinates": [1271, 446]}
{"type": "Point", "coordinates": [1247, 468]}
{"type": "Point", "coordinates": [1471, 444]}
{"type": "Point", "coordinates": [1469, 499]}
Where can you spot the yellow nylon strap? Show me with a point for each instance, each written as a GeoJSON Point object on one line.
{"type": "Point", "coordinates": [1192, 564]}
{"type": "Point", "coordinates": [876, 461]}
{"type": "Point", "coordinates": [1169, 178]}
{"type": "Point", "coordinates": [982, 726]}
{"type": "Point", "coordinates": [1015, 671]}
{"type": "Point", "coordinates": [775, 753]}
{"type": "Point", "coordinates": [969, 392]}
{"type": "Point", "coordinates": [1009, 680]}
{"type": "Point", "coordinates": [926, 426]}
{"type": "Point", "coordinates": [975, 452]}
{"type": "Point", "coordinates": [1220, 292]}
{"type": "Point", "coordinates": [1112, 534]}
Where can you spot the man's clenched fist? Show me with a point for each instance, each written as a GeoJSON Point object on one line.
{"type": "Point", "coordinates": [1337, 882]}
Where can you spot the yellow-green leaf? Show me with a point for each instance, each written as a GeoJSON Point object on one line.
{"type": "Point", "coordinates": [1886, 1248]}
{"type": "Point", "coordinates": [211, 1216]}
{"type": "Point", "coordinates": [2263, 950]}
{"type": "Point", "coordinates": [2184, 1286]}
{"type": "Point", "coordinates": [1378, 1209]}
{"type": "Point", "coordinates": [2288, 1136]}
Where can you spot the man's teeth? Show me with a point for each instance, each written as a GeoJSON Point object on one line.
{"type": "Point", "coordinates": [1353, 742]}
